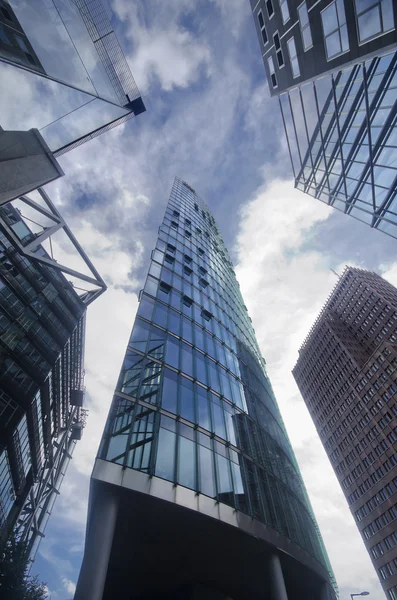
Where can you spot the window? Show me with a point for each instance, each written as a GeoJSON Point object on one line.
{"type": "Point", "coordinates": [262, 28]}
{"type": "Point", "coordinates": [335, 29]}
{"type": "Point", "coordinates": [6, 14]}
{"type": "Point", "coordinates": [284, 10]}
{"type": "Point", "coordinates": [279, 52]}
{"type": "Point", "coordinates": [374, 18]}
{"type": "Point", "coordinates": [4, 36]}
{"type": "Point", "coordinates": [305, 27]}
{"type": "Point", "coordinates": [270, 9]}
{"type": "Point", "coordinates": [273, 77]}
{"type": "Point", "coordinates": [21, 43]}
{"type": "Point", "coordinates": [293, 58]}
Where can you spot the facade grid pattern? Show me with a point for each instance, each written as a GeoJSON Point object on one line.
{"type": "Point", "coordinates": [341, 132]}
{"type": "Point", "coordinates": [42, 324]}
{"type": "Point", "coordinates": [193, 404]}
{"type": "Point", "coordinates": [347, 374]}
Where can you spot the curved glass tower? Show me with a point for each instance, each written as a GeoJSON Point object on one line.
{"type": "Point", "coordinates": [196, 492]}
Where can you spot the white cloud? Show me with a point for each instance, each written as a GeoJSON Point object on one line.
{"type": "Point", "coordinates": [69, 586]}
{"type": "Point", "coordinates": [162, 47]}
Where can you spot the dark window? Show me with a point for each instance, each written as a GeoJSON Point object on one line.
{"type": "Point", "coordinates": [187, 233]}
{"type": "Point", "coordinates": [165, 287]}
{"type": "Point", "coordinates": [187, 301]}
{"type": "Point", "coordinates": [203, 283]}
{"type": "Point", "coordinates": [279, 52]}
{"type": "Point", "coordinates": [30, 58]}
{"type": "Point", "coordinates": [171, 248]}
{"type": "Point", "coordinates": [6, 14]}
{"type": "Point", "coordinates": [176, 213]}
{"type": "Point", "coordinates": [200, 251]}
{"type": "Point", "coordinates": [170, 259]}
{"type": "Point", "coordinates": [188, 222]}
{"type": "Point", "coordinates": [203, 271]}
{"type": "Point", "coordinates": [206, 314]}
{"type": "Point", "coordinates": [260, 19]}
{"type": "Point", "coordinates": [187, 270]}
{"type": "Point", "coordinates": [174, 224]}
{"type": "Point", "coordinates": [270, 9]}
{"type": "Point", "coordinates": [199, 231]}
{"type": "Point", "coordinates": [196, 206]}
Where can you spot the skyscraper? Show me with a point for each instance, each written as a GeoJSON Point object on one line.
{"type": "Point", "coordinates": [347, 374]}
{"type": "Point", "coordinates": [333, 66]}
{"type": "Point", "coordinates": [42, 325]}
{"type": "Point", "coordinates": [195, 491]}
{"type": "Point", "coordinates": [63, 71]}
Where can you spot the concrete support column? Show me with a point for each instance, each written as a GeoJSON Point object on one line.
{"type": "Point", "coordinates": [277, 584]}
{"type": "Point", "coordinates": [98, 545]}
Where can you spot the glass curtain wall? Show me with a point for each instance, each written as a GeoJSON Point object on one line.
{"type": "Point", "coordinates": [342, 137]}
{"type": "Point", "coordinates": [193, 403]}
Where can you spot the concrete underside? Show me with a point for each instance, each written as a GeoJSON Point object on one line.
{"type": "Point", "coordinates": [163, 550]}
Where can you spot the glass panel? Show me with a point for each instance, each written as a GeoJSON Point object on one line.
{"type": "Point", "coordinates": [303, 14]}
{"type": "Point", "coordinates": [186, 463]}
{"type": "Point", "coordinates": [207, 483]}
{"type": "Point", "coordinates": [369, 24]}
{"type": "Point", "coordinates": [333, 46]}
{"type": "Point", "coordinates": [170, 391]}
{"type": "Point", "coordinates": [329, 19]}
{"type": "Point", "coordinates": [166, 455]}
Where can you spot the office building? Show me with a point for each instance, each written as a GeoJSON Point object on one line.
{"type": "Point", "coordinates": [195, 491]}
{"type": "Point", "coordinates": [347, 374]}
{"type": "Point", "coordinates": [300, 41]}
{"type": "Point", "coordinates": [43, 304]}
{"type": "Point", "coordinates": [63, 71]}
{"type": "Point", "coordinates": [333, 67]}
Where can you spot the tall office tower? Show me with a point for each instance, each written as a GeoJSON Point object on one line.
{"type": "Point", "coordinates": [333, 66]}
{"type": "Point", "coordinates": [62, 71]}
{"type": "Point", "coordinates": [42, 323]}
{"type": "Point", "coordinates": [347, 374]}
{"type": "Point", "coordinates": [195, 491]}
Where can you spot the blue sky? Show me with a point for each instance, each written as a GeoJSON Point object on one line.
{"type": "Point", "coordinates": [209, 120]}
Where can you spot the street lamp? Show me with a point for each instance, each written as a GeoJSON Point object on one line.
{"type": "Point", "coordinates": [360, 594]}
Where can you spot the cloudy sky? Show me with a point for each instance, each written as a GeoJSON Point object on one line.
{"type": "Point", "coordinates": [210, 121]}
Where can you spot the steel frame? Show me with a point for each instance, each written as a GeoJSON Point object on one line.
{"type": "Point", "coordinates": [30, 250]}
{"type": "Point", "coordinates": [377, 213]}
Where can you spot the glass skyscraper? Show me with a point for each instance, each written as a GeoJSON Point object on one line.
{"type": "Point", "coordinates": [63, 71]}
{"type": "Point", "coordinates": [196, 492]}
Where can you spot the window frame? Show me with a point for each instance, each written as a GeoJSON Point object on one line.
{"type": "Point", "coordinates": [304, 3]}
{"type": "Point", "coordinates": [262, 29]}
{"type": "Point", "coordinates": [377, 3]}
{"type": "Point", "coordinates": [272, 71]}
{"type": "Point", "coordinates": [281, 2]}
{"type": "Point", "coordinates": [279, 50]}
{"type": "Point", "coordinates": [267, 8]}
{"type": "Point", "coordinates": [335, 2]}
{"type": "Point", "coordinates": [292, 38]}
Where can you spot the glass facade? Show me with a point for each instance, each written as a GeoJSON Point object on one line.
{"type": "Point", "coordinates": [73, 79]}
{"type": "Point", "coordinates": [193, 403]}
{"type": "Point", "coordinates": [42, 325]}
{"type": "Point", "coordinates": [342, 137]}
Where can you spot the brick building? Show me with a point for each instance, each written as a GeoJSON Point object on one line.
{"type": "Point", "coordinates": [347, 374]}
